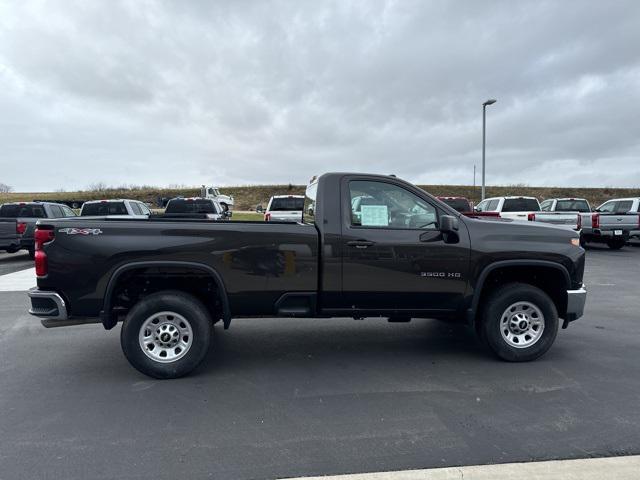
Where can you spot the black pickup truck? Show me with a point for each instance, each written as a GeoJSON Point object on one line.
{"type": "Point", "coordinates": [377, 246]}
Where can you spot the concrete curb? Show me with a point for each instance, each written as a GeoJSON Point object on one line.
{"type": "Point", "coordinates": [618, 468]}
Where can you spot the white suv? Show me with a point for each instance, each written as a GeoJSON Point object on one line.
{"type": "Point", "coordinates": [284, 208]}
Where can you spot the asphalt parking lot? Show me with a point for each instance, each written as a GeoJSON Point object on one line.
{"type": "Point", "coordinates": [280, 398]}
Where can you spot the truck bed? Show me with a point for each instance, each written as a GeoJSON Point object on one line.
{"type": "Point", "coordinates": [257, 262]}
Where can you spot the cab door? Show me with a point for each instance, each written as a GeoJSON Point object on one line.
{"type": "Point", "coordinates": [393, 253]}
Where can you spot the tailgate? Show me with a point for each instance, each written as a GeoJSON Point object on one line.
{"type": "Point", "coordinates": [560, 219]}
{"type": "Point", "coordinates": [8, 228]}
{"type": "Point", "coordinates": [624, 222]}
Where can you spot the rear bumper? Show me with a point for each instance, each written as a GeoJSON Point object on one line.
{"type": "Point", "coordinates": [51, 308]}
{"type": "Point", "coordinates": [611, 233]}
{"type": "Point", "coordinates": [576, 300]}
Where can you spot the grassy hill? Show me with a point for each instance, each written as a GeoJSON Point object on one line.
{"type": "Point", "coordinates": [248, 197]}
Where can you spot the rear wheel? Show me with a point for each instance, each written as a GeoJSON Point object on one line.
{"type": "Point", "coordinates": [616, 243]}
{"type": "Point", "coordinates": [32, 253]}
{"type": "Point", "coordinates": [519, 322]}
{"type": "Point", "coordinates": [167, 334]}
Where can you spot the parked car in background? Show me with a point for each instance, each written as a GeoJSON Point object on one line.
{"type": "Point", "coordinates": [465, 207]}
{"type": "Point", "coordinates": [528, 209]}
{"type": "Point", "coordinates": [118, 208]}
{"type": "Point", "coordinates": [613, 222]}
{"type": "Point", "coordinates": [284, 208]}
{"type": "Point", "coordinates": [10, 234]}
{"type": "Point", "coordinates": [213, 193]}
{"type": "Point", "coordinates": [459, 204]}
{"type": "Point", "coordinates": [188, 207]}
{"type": "Point", "coordinates": [28, 213]}
{"type": "Point", "coordinates": [578, 205]}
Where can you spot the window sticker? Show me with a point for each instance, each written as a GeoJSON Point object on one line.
{"type": "Point", "coordinates": [375, 216]}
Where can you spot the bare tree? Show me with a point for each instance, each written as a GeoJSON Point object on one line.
{"type": "Point", "coordinates": [4, 188]}
{"type": "Point", "coordinates": [97, 187]}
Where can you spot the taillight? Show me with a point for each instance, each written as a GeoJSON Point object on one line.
{"type": "Point", "coordinates": [267, 217]}
{"type": "Point", "coordinates": [579, 226]}
{"type": "Point", "coordinates": [595, 220]}
{"type": "Point", "coordinates": [42, 236]}
{"type": "Point", "coordinates": [21, 227]}
{"type": "Point", "coordinates": [531, 217]}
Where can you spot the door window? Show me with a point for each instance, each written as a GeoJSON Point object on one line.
{"type": "Point", "coordinates": [68, 212]}
{"type": "Point", "coordinates": [136, 208]}
{"type": "Point", "coordinates": [385, 205]}
{"type": "Point", "coordinates": [56, 212]}
{"type": "Point", "coordinates": [492, 205]}
{"type": "Point", "coordinates": [607, 207]}
{"type": "Point", "coordinates": [624, 206]}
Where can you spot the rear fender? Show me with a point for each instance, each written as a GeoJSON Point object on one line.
{"type": "Point", "coordinates": [109, 321]}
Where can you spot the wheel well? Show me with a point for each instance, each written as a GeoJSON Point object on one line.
{"type": "Point", "coordinates": [548, 279]}
{"type": "Point", "coordinates": [136, 283]}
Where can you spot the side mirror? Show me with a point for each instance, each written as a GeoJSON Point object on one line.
{"type": "Point", "coordinates": [449, 224]}
{"type": "Point", "coordinates": [449, 228]}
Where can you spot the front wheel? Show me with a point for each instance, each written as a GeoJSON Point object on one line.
{"type": "Point", "coordinates": [519, 322]}
{"type": "Point", "coordinates": [167, 334]}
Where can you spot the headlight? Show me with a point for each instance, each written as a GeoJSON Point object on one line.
{"type": "Point", "coordinates": [575, 242]}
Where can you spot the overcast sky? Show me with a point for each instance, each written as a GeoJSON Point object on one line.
{"type": "Point", "coordinates": [240, 92]}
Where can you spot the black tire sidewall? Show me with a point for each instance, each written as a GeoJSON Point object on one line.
{"type": "Point", "coordinates": [496, 306]}
{"type": "Point", "coordinates": [182, 303]}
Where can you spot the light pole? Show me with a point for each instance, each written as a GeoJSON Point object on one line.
{"type": "Point", "coordinates": [484, 134]}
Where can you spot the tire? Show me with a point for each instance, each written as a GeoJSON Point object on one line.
{"type": "Point", "coordinates": [32, 253]}
{"type": "Point", "coordinates": [182, 331]}
{"type": "Point", "coordinates": [616, 244]}
{"type": "Point", "coordinates": [225, 207]}
{"type": "Point", "coordinates": [502, 326]}
{"type": "Point", "coordinates": [583, 242]}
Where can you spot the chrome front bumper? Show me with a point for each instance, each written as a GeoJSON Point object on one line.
{"type": "Point", "coordinates": [575, 303]}
{"type": "Point", "coordinates": [52, 309]}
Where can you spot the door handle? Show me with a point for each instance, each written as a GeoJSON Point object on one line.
{"type": "Point", "coordinates": [360, 243]}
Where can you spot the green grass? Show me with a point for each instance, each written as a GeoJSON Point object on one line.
{"type": "Point", "coordinates": [253, 216]}
{"type": "Point", "coordinates": [248, 197]}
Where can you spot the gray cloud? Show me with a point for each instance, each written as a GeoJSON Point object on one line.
{"type": "Point", "coordinates": [264, 92]}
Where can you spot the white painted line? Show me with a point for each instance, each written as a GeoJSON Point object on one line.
{"type": "Point", "coordinates": [618, 468]}
{"type": "Point", "coordinates": [18, 281]}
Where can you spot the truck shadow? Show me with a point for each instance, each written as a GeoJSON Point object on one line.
{"type": "Point", "coordinates": [327, 344]}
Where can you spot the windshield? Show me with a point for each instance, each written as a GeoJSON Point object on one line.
{"type": "Point", "coordinates": [521, 205]}
{"type": "Point", "coordinates": [572, 206]}
{"type": "Point", "coordinates": [191, 206]}
{"type": "Point", "coordinates": [103, 208]}
{"type": "Point", "coordinates": [286, 204]}
{"type": "Point", "coordinates": [15, 211]}
{"type": "Point", "coordinates": [458, 204]}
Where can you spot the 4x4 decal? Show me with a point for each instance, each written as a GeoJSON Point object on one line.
{"type": "Point", "coordinates": [80, 231]}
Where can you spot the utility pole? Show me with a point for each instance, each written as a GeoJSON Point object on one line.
{"type": "Point", "coordinates": [484, 136]}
